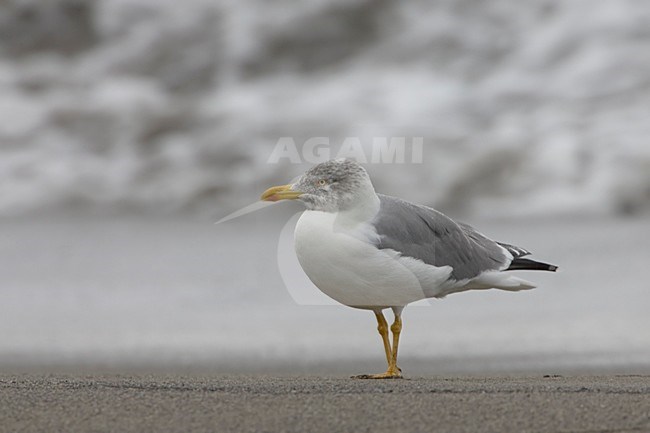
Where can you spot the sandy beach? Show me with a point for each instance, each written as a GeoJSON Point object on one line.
{"type": "Point", "coordinates": [197, 403]}
{"type": "Point", "coordinates": [178, 326]}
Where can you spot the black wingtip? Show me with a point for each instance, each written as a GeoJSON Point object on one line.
{"type": "Point", "coordinates": [521, 264]}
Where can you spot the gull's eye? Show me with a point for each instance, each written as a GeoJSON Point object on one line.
{"type": "Point", "coordinates": [322, 182]}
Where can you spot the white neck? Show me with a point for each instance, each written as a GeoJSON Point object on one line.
{"type": "Point", "coordinates": [366, 206]}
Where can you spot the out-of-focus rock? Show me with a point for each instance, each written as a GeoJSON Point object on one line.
{"type": "Point", "coordinates": [537, 107]}
{"type": "Point", "coordinates": [60, 26]}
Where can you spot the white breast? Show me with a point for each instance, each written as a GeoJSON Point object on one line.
{"type": "Point", "coordinates": [338, 257]}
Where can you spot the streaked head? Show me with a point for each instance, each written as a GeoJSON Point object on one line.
{"type": "Point", "coordinates": [329, 187]}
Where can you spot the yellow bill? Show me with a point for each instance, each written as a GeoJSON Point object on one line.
{"type": "Point", "coordinates": [283, 192]}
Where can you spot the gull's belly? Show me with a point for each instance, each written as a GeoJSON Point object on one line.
{"type": "Point", "coordinates": [344, 265]}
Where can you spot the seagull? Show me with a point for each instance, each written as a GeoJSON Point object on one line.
{"type": "Point", "coordinates": [375, 252]}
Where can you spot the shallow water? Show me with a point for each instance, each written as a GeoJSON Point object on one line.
{"type": "Point", "coordinates": [129, 290]}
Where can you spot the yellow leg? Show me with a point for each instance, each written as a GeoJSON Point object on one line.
{"type": "Point", "coordinates": [393, 372]}
{"type": "Point", "coordinates": [382, 327]}
{"type": "Point", "coordinates": [396, 329]}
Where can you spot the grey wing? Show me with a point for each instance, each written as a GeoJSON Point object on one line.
{"type": "Point", "coordinates": [428, 235]}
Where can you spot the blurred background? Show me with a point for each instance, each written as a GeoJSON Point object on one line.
{"type": "Point", "coordinates": [128, 127]}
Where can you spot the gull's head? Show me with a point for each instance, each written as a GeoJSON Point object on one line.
{"type": "Point", "coordinates": [332, 186]}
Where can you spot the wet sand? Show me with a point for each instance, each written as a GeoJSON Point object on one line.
{"type": "Point", "coordinates": [213, 403]}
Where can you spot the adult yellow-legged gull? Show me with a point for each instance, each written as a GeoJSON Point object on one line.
{"type": "Point", "coordinates": [375, 252]}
